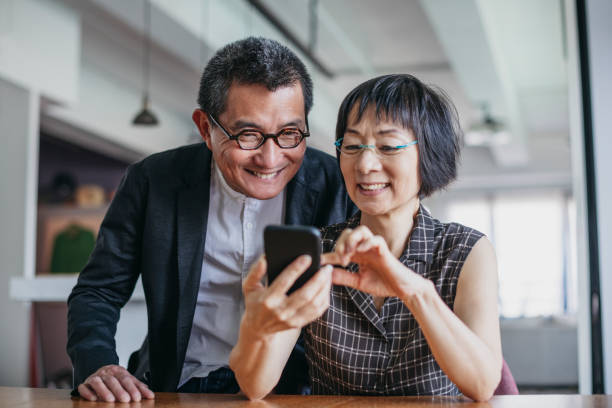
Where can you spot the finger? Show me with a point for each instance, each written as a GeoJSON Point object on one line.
{"type": "Point", "coordinates": [306, 294]}
{"type": "Point", "coordinates": [341, 257]}
{"type": "Point", "coordinates": [375, 242]}
{"type": "Point", "coordinates": [129, 385]}
{"type": "Point", "coordinates": [331, 258]}
{"type": "Point", "coordinates": [284, 281]}
{"type": "Point", "coordinates": [345, 278]}
{"type": "Point", "coordinates": [314, 309]}
{"type": "Point", "coordinates": [349, 242]}
{"type": "Point", "coordinates": [257, 272]}
{"type": "Point", "coordinates": [340, 243]}
{"type": "Point", "coordinates": [144, 390]}
{"type": "Point", "coordinates": [86, 392]}
{"type": "Point", "coordinates": [116, 388]}
{"type": "Point", "coordinates": [361, 233]}
{"type": "Point", "coordinates": [321, 302]}
{"type": "Point", "coordinates": [309, 313]}
{"type": "Point", "coordinates": [336, 258]}
{"type": "Point", "coordinates": [365, 246]}
{"type": "Point", "coordinates": [99, 387]}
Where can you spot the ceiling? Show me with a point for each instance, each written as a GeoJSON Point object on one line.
{"type": "Point", "coordinates": [509, 55]}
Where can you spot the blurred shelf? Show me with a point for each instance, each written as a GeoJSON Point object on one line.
{"type": "Point", "coordinates": [53, 288]}
{"type": "Point", "coordinates": [69, 210]}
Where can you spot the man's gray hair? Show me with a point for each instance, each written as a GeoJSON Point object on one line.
{"type": "Point", "coordinates": [253, 60]}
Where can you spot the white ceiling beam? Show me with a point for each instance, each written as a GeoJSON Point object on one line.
{"type": "Point", "coordinates": [477, 59]}
{"type": "Point", "coordinates": [345, 40]}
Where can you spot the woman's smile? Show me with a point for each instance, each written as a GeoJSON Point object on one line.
{"type": "Point", "coordinates": [372, 188]}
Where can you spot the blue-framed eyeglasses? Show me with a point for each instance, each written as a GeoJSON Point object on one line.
{"type": "Point", "coordinates": [250, 139]}
{"type": "Point", "coordinates": [382, 150]}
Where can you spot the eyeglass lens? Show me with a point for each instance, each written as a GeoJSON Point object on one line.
{"type": "Point", "coordinates": [287, 138]}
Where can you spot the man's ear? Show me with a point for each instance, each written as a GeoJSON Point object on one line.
{"type": "Point", "coordinates": [200, 118]}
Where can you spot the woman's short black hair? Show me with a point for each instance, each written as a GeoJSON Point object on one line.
{"type": "Point", "coordinates": [425, 110]}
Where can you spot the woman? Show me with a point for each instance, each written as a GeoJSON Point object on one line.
{"type": "Point", "coordinates": [415, 312]}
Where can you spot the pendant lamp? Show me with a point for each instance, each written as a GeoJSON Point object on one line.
{"type": "Point", "coordinates": [146, 117]}
{"type": "Point", "coordinates": [488, 131]}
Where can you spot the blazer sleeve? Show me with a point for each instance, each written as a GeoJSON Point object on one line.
{"type": "Point", "coordinates": [107, 281]}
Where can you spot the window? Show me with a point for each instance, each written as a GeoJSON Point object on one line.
{"type": "Point", "coordinates": [536, 258]}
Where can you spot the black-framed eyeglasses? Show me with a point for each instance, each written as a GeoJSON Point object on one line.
{"type": "Point", "coordinates": [250, 139]}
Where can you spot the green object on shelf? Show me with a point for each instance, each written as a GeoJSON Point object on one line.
{"type": "Point", "coordinates": [71, 249]}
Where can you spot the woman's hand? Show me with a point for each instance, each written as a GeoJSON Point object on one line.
{"type": "Point", "coordinates": [380, 273]}
{"type": "Point", "coordinates": [269, 310]}
{"type": "Point", "coordinates": [272, 321]}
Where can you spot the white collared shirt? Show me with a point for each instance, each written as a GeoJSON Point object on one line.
{"type": "Point", "coordinates": [234, 241]}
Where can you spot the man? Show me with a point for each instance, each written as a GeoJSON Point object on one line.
{"type": "Point", "coordinates": [190, 222]}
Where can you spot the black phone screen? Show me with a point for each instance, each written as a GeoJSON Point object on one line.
{"type": "Point", "coordinates": [284, 243]}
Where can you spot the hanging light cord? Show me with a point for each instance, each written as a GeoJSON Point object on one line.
{"type": "Point", "coordinates": [204, 24]}
{"type": "Point", "coordinates": [146, 61]}
{"type": "Point", "coordinates": [313, 26]}
{"type": "Point", "coordinates": [145, 116]}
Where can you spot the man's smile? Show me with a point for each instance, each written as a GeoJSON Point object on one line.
{"type": "Point", "coordinates": [265, 174]}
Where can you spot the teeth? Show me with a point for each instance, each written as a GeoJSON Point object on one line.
{"type": "Point", "coordinates": [372, 186]}
{"type": "Point", "coordinates": [265, 176]}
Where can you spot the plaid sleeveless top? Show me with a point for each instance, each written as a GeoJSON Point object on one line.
{"type": "Point", "coordinates": [352, 349]}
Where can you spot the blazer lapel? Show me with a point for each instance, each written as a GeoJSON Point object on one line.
{"type": "Point", "coordinates": [192, 218]}
{"type": "Point", "coordinates": [300, 201]}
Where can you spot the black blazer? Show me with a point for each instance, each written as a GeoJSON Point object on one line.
{"type": "Point", "coordinates": [156, 228]}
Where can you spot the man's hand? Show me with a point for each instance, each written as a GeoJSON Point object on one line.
{"type": "Point", "coordinates": [269, 310]}
{"type": "Point", "coordinates": [114, 383]}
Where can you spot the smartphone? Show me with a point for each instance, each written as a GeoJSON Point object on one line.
{"type": "Point", "coordinates": [284, 243]}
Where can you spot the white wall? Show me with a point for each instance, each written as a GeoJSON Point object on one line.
{"type": "Point", "coordinates": [541, 352]}
{"type": "Point", "coordinates": [18, 181]}
{"type": "Point", "coordinates": [40, 47]}
{"type": "Point", "coordinates": [39, 53]}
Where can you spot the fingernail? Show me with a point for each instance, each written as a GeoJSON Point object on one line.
{"type": "Point", "coordinates": [328, 269]}
{"type": "Point", "coordinates": [306, 259]}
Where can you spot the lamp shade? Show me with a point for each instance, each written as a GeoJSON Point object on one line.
{"type": "Point", "coordinates": [488, 131]}
{"type": "Point", "coordinates": [145, 117]}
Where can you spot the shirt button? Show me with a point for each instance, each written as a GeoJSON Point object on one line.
{"type": "Point", "coordinates": [249, 225]}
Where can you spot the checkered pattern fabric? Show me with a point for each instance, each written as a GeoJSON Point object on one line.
{"type": "Point", "coordinates": [354, 349]}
